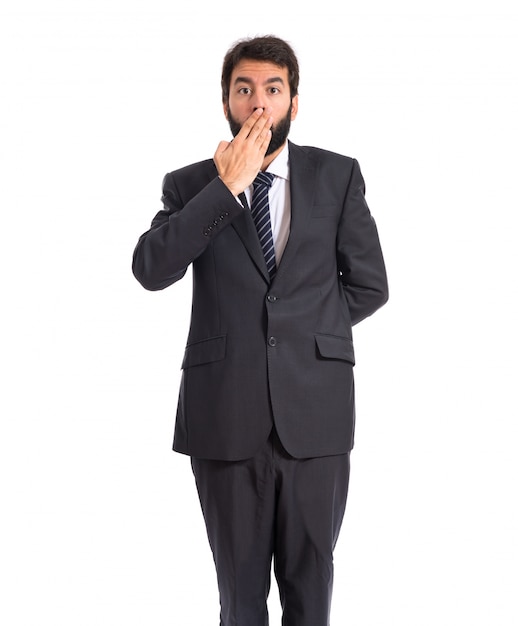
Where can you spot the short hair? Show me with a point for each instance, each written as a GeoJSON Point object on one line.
{"type": "Point", "coordinates": [266, 48]}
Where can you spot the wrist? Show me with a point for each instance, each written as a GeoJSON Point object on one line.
{"type": "Point", "coordinates": [234, 189]}
{"type": "Point", "coordinates": [236, 195]}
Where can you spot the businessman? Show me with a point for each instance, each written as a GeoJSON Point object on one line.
{"type": "Point", "coordinates": [286, 259]}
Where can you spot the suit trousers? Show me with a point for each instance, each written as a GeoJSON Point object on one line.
{"type": "Point", "coordinates": [273, 506]}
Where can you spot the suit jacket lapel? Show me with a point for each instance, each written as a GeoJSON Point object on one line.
{"type": "Point", "coordinates": [303, 174]}
{"type": "Point", "coordinates": [245, 227]}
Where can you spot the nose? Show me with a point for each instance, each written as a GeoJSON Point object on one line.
{"type": "Point", "coordinates": [258, 102]}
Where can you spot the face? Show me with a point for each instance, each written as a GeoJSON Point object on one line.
{"type": "Point", "coordinates": [260, 84]}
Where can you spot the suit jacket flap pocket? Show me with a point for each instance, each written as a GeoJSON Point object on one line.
{"type": "Point", "coordinates": [205, 351]}
{"type": "Point", "coordinates": [335, 347]}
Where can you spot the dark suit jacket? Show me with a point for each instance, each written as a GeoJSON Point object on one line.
{"type": "Point", "coordinates": [260, 353]}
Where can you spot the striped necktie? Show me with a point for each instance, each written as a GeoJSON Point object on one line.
{"type": "Point", "coordinates": [261, 215]}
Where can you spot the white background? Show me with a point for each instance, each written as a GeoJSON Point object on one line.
{"type": "Point", "coordinates": [100, 525]}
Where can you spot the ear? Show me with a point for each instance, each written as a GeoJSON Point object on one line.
{"type": "Point", "coordinates": [294, 107]}
{"type": "Point", "coordinates": [225, 110]}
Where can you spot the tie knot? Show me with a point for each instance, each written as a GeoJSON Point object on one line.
{"type": "Point", "coordinates": [263, 178]}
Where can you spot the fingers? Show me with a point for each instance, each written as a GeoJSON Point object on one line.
{"type": "Point", "coordinates": [239, 161]}
{"type": "Point", "coordinates": [256, 127]}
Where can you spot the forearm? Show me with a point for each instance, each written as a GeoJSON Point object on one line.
{"type": "Point", "coordinates": [364, 301]}
{"type": "Point", "coordinates": [360, 259]}
{"type": "Point", "coordinates": [180, 233]}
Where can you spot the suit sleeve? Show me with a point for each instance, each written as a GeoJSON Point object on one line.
{"type": "Point", "coordinates": [181, 232]}
{"type": "Point", "coordinates": [360, 259]}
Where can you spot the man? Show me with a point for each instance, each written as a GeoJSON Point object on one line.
{"type": "Point", "coordinates": [281, 272]}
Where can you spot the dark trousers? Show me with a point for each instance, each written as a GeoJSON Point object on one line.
{"type": "Point", "coordinates": [273, 505]}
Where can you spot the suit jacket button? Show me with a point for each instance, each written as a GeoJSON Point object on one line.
{"type": "Point", "coordinates": [271, 298]}
{"type": "Point", "coordinates": [272, 342]}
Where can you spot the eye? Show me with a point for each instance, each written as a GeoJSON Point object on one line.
{"type": "Point", "coordinates": [274, 90]}
{"type": "Point", "coordinates": [245, 91]}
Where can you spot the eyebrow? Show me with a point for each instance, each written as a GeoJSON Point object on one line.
{"type": "Point", "coordinates": [249, 81]}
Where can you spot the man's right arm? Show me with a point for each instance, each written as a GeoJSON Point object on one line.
{"type": "Point", "coordinates": [180, 233]}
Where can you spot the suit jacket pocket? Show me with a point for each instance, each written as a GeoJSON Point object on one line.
{"type": "Point", "coordinates": [335, 347]}
{"type": "Point", "coordinates": [206, 351]}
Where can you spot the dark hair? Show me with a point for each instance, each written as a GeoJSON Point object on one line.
{"type": "Point", "coordinates": [268, 48]}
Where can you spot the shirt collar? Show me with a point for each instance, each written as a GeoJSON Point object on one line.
{"type": "Point", "coordinates": [280, 165]}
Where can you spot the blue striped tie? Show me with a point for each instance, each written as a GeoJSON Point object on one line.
{"type": "Point", "coordinates": [261, 214]}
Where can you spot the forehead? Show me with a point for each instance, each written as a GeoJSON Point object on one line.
{"type": "Point", "coordinates": [258, 71]}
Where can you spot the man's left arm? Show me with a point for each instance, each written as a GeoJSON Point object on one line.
{"type": "Point", "coordinates": [359, 255]}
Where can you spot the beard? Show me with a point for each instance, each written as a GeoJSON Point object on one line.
{"type": "Point", "coordinates": [279, 131]}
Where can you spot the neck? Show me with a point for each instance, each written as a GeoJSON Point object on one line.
{"type": "Point", "coordinates": [268, 159]}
